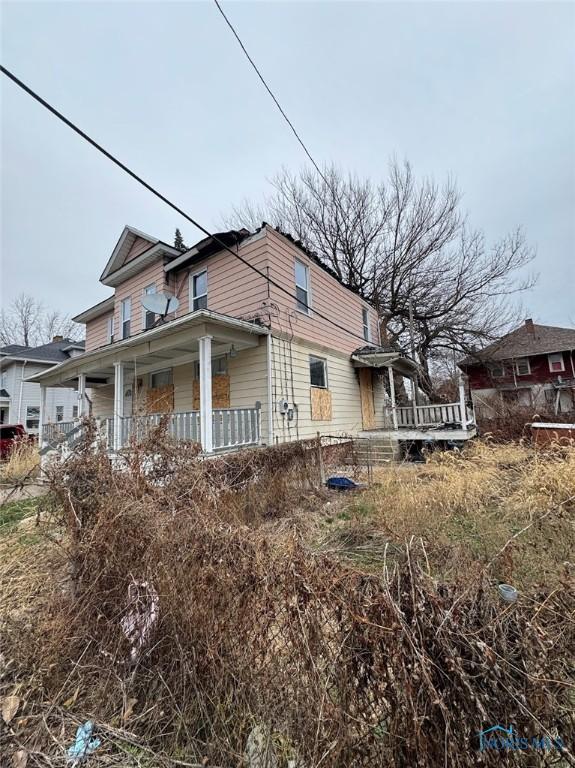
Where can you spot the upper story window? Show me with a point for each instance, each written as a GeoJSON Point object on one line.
{"type": "Point", "coordinates": [556, 364]}
{"type": "Point", "coordinates": [318, 372]}
{"type": "Point", "coordinates": [110, 329]}
{"type": "Point", "coordinates": [365, 321]}
{"type": "Point", "coordinates": [125, 317]}
{"type": "Point", "coordinates": [522, 367]}
{"type": "Point", "coordinates": [199, 290]}
{"type": "Point", "coordinates": [302, 287]}
{"type": "Point", "coordinates": [149, 317]}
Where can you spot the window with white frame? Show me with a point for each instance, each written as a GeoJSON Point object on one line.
{"type": "Point", "coordinates": [110, 329]}
{"type": "Point", "coordinates": [556, 364]}
{"type": "Point", "coordinates": [522, 367]}
{"type": "Point", "coordinates": [59, 413]}
{"type": "Point", "coordinates": [497, 370]}
{"type": "Point", "coordinates": [74, 411]}
{"type": "Point", "coordinates": [125, 317]}
{"type": "Point", "coordinates": [33, 417]}
{"type": "Point", "coordinates": [303, 303]}
{"type": "Point", "coordinates": [318, 372]}
{"type": "Point", "coordinates": [161, 379]}
{"type": "Point", "coordinates": [199, 290]}
{"type": "Point", "coordinates": [149, 318]}
{"type": "Point", "coordinates": [365, 321]}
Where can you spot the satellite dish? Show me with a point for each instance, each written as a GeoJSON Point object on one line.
{"type": "Point", "coordinates": [160, 303]}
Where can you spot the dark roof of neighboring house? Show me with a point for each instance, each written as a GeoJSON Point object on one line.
{"type": "Point", "coordinates": [4, 394]}
{"type": "Point", "coordinates": [54, 352]}
{"type": "Point", "coordinates": [529, 339]}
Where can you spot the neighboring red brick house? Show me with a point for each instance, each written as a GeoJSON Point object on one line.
{"type": "Point", "coordinates": [533, 366]}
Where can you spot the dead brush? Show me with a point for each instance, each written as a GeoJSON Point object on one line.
{"type": "Point", "coordinates": [338, 666]}
{"type": "Point", "coordinates": [22, 463]}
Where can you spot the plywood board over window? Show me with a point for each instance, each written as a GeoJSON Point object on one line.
{"type": "Point", "coordinates": [320, 404]}
{"type": "Point", "coordinates": [160, 399]}
{"type": "Point", "coordinates": [220, 392]}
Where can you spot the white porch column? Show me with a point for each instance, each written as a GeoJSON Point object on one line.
{"type": "Point", "coordinates": [81, 395]}
{"type": "Point", "coordinates": [205, 345]}
{"type": "Point", "coordinates": [43, 416]}
{"type": "Point", "coordinates": [392, 393]}
{"type": "Point", "coordinates": [118, 404]}
{"type": "Point", "coordinates": [462, 406]}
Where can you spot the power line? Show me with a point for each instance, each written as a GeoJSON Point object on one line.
{"type": "Point", "coordinates": [271, 93]}
{"type": "Point", "coordinates": [163, 198]}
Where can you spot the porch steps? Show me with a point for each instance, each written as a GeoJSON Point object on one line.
{"type": "Point", "coordinates": [375, 450]}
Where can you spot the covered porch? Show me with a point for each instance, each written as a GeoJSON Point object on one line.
{"type": "Point", "coordinates": [197, 375]}
{"type": "Point", "coordinates": [415, 419]}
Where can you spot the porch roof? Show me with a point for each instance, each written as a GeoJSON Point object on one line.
{"type": "Point", "coordinates": [168, 345]}
{"type": "Point", "coordinates": [380, 357]}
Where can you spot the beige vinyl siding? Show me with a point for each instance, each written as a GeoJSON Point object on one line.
{"type": "Point", "coordinates": [248, 384]}
{"type": "Point", "coordinates": [97, 332]}
{"type": "Point", "coordinates": [342, 382]}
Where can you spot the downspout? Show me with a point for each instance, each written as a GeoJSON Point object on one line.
{"type": "Point", "coordinates": [21, 393]}
{"type": "Point", "coordinates": [270, 404]}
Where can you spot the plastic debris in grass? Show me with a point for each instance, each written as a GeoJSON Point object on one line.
{"type": "Point", "coordinates": [84, 744]}
{"type": "Point", "coordinates": [343, 484]}
{"type": "Point", "coordinates": [142, 614]}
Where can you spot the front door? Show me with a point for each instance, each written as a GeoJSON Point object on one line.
{"type": "Point", "coordinates": [366, 398]}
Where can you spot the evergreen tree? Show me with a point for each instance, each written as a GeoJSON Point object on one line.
{"type": "Point", "coordinates": [179, 241]}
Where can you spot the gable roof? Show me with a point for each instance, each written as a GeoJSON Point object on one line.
{"type": "Point", "coordinates": [54, 352]}
{"type": "Point", "coordinates": [120, 266]}
{"type": "Point", "coordinates": [529, 339]}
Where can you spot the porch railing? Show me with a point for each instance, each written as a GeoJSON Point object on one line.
{"type": "Point", "coordinates": [234, 427]}
{"type": "Point", "coordinates": [52, 432]}
{"type": "Point", "coordinates": [184, 426]}
{"type": "Point", "coordinates": [427, 415]}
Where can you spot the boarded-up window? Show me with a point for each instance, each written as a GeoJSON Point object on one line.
{"type": "Point", "coordinates": [220, 392]}
{"type": "Point", "coordinates": [320, 404]}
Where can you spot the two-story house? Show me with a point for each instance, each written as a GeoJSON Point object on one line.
{"type": "Point", "coordinates": [20, 398]}
{"type": "Point", "coordinates": [532, 367]}
{"type": "Point", "coordinates": [266, 345]}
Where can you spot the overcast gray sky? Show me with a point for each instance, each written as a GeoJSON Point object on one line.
{"type": "Point", "coordinates": [483, 91]}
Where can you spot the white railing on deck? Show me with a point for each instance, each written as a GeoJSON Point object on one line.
{"type": "Point", "coordinates": [427, 415]}
{"type": "Point", "coordinates": [231, 427]}
{"type": "Point", "coordinates": [184, 426]}
{"type": "Point", "coordinates": [234, 427]}
{"type": "Point", "coordinates": [51, 432]}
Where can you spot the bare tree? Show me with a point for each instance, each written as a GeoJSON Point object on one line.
{"type": "Point", "coordinates": [403, 243]}
{"type": "Point", "coordinates": [26, 321]}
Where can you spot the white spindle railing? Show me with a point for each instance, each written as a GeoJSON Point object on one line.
{"type": "Point", "coordinates": [58, 430]}
{"type": "Point", "coordinates": [231, 427]}
{"type": "Point", "coordinates": [427, 415]}
{"type": "Point", "coordinates": [234, 427]}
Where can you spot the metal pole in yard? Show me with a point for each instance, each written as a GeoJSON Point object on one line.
{"type": "Point", "coordinates": [320, 461]}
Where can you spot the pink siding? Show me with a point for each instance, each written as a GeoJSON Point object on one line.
{"type": "Point", "coordinates": [134, 288]}
{"type": "Point", "coordinates": [139, 245]}
{"type": "Point", "coordinates": [328, 296]}
{"type": "Point", "coordinates": [236, 290]}
{"type": "Point", "coordinates": [97, 332]}
{"type": "Point", "coordinates": [233, 288]}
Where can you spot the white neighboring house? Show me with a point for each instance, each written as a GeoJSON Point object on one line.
{"type": "Point", "coordinates": [20, 399]}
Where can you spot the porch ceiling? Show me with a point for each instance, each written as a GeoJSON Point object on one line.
{"type": "Point", "coordinates": [166, 346]}
{"type": "Point", "coordinates": [400, 363]}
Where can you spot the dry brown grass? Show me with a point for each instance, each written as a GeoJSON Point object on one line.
{"type": "Point", "coordinates": [340, 665]}
{"type": "Point", "coordinates": [22, 463]}
{"type": "Point", "coordinates": [466, 507]}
